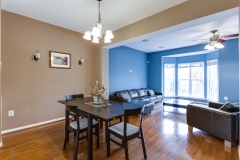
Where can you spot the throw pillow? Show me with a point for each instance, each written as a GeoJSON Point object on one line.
{"type": "Point", "coordinates": [151, 92]}
{"type": "Point", "coordinates": [229, 107]}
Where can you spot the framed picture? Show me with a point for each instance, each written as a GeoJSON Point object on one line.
{"type": "Point", "coordinates": [60, 60]}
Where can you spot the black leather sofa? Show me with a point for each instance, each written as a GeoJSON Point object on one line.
{"type": "Point", "coordinates": [143, 96]}
{"type": "Point", "coordinates": [211, 119]}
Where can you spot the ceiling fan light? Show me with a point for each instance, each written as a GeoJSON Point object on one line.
{"type": "Point", "coordinates": [87, 35]}
{"type": "Point", "coordinates": [95, 32]}
{"type": "Point", "coordinates": [218, 45]}
{"type": "Point", "coordinates": [207, 46]}
{"type": "Point", "coordinates": [109, 34]}
{"type": "Point", "coordinates": [95, 40]}
{"type": "Point", "coordinates": [210, 48]}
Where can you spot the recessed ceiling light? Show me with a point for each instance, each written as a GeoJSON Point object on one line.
{"type": "Point", "coordinates": [145, 40]}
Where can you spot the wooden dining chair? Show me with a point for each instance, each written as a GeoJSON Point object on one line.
{"type": "Point", "coordinates": [77, 127]}
{"type": "Point", "coordinates": [70, 97]}
{"type": "Point", "coordinates": [126, 131]}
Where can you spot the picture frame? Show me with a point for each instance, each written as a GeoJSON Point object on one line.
{"type": "Point", "coordinates": [59, 60]}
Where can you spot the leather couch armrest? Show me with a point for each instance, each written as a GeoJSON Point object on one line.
{"type": "Point", "coordinates": [112, 97]}
{"type": "Point", "coordinates": [214, 121]}
{"type": "Point", "coordinates": [215, 105]}
{"type": "Point", "coordinates": [158, 93]}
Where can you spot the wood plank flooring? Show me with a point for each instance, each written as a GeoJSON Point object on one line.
{"type": "Point", "coordinates": [166, 136]}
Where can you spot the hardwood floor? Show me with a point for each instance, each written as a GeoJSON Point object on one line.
{"type": "Point", "coordinates": [166, 136]}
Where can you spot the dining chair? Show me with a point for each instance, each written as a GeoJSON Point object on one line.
{"type": "Point", "coordinates": [77, 127]}
{"type": "Point", "coordinates": [126, 131]}
{"type": "Point", "coordinates": [70, 97]}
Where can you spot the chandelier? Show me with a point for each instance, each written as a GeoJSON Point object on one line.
{"type": "Point", "coordinates": [99, 31]}
{"type": "Point", "coordinates": [215, 42]}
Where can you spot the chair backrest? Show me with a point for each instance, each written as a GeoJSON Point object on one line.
{"type": "Point", "coordinates": [72, 109]}
{"type": "Point", "coordinates": [132, 110]}
{"type": "Point", "coordinates": [74, 96]}
{"type": "Point", "coordinates": [70, 97]}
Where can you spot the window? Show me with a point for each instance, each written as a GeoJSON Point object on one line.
{"type": "Point", "coordinates": [169, 78]}
{"type": "Point", "coordinates": [191, 79]}
{"type": "Point", "coordinates": [212, 80]}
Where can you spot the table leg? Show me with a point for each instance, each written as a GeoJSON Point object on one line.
{"type": "Point", "coordinates": [90, 137]}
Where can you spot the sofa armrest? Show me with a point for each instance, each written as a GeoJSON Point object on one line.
{"type": "Point", "coordinates": [158, 93]}
{"type": "Point", "coordinates": [112, 97]}
{"type": "Point", "coordinates": [217, 122]}
{"type": "Point", "coordinates": [215, 105]}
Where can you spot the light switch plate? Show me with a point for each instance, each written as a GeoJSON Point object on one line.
{"type": "Point", "coordinates": [10, 113]}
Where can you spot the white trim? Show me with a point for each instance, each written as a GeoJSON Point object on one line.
{"type": "Point", "coordinates": [1, 144]}
{"type": "Point", "coordinates": [31, 125]}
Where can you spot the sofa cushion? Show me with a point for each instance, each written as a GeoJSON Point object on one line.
{"type": "Point", "coordinates": [229, 107]}
{"type": "Point", "coordinates": [152, 97]}
{"type": "Point", "coordinates": [141, 92]}
{"type": "Point", "coordinates": [146, 90]}
{"type": "Point", "coordinates": [133, 93]}
{"type": "Point", "coordinates": [151, 92]}
{"type": "Point", "coordinates": [123, 94]}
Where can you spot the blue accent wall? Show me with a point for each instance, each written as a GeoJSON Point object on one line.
{"type": "Point", "coordinates": [228, 59]}
{"type": "Point", "coordinates": [155, 64]}
{"type": "Point", "coordinates": [229, 71]}
{"type": "Point", "coordinates": [121, 61]}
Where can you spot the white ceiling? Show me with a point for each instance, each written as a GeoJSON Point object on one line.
{"type": "Point", "coordinates": [80, 15]}
{"type": "Point", "coordinates": [187, 37]}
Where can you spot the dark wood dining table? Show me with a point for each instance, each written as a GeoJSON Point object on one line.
{"type": "Point", "coordinates": [105, 113]}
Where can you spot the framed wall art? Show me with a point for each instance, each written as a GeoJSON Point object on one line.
{"type": "Point", "coordinates": [60, 60]}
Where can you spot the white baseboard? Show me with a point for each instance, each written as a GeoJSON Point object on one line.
{"type": "Point", "coordinates": [239, 151]}
{"type": "Point", "coordinates": [1, 144]}
{"type": "Point", "coordinates": [31, 125]}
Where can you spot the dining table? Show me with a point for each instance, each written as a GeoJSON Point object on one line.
{"type": "Point", "coordinates": [106, 112]}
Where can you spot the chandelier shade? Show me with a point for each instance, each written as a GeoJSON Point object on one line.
{"type": "Point", "coordinates": [99, 31]}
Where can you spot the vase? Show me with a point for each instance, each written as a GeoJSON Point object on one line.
{"type": "Point", "coordinates": [97, 100]}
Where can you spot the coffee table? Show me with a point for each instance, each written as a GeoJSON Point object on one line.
{"type": "Point", "coordinates": [177, 103]}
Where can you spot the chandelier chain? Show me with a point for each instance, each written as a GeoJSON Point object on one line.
{"type": "Point", "coordinates": [99, 14]}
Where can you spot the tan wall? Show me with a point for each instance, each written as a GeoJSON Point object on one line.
{"type": "Point", "coordinates": [184, 12]}
{"type": "Point", "coordinates": [31, 88]}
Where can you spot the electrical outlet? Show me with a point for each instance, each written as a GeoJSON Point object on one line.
{"type": "Point", "coordinates": [225, 98]}
{"type": "Point", "coordinates": [11, 113]}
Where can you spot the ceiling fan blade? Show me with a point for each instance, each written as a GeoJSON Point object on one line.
{"type": "Point", "coordinates": [198, 39]}
{"type": "Point", "coordinates": [230, 35]}
{"type": "Point", "coordinates": [221, 40]}
{"type": "Point", "coordinates": [202, 43]}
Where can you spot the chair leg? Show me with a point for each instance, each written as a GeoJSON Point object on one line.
{"type": "Point", "coordinates": [121, 119]}
{"type": "Point", "coordinates": [101, 124]}
{"type": "Point", "coordinates": [126, 149]}
{"type": "Point", "coordinates": [108, 142]}
{"type": "Point", "coordinates": [143, 144]}
{"type": "Point", "coordinates": [76, 147]}
{"type": "Point", "coordinates": [106, 128]}
{"type": "Point", "coordinates": [65, 141]}
{"type": "Point", "coordinates": [97, 134]}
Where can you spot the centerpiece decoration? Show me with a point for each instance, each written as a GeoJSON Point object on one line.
{"type": "Point", "coordinates": [97, 92]}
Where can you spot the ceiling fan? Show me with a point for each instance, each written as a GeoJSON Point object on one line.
{"type": "Point", "coordinates": [215, 42]}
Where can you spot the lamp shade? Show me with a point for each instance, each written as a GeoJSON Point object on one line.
{"type": "Point", "coordinates": [207, 46]}
{"type": "Point", "coordinates": [107, 39]}
{"type": "Point", "coordinates": [95, 40]}
{"type": "Point", "coordinates": [87, 35]}
{"type": "Point", "coordinates": [109, 34]}
{"type": "Point", "coordinates": [95, 32]}
{"type": "Point", "coordinates": [218, 45]}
